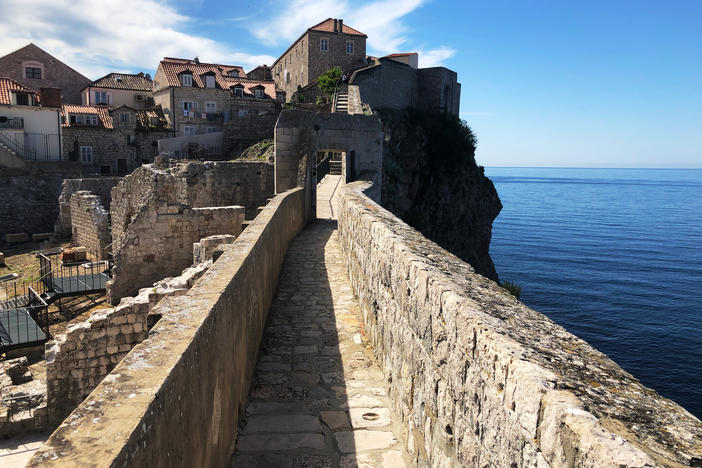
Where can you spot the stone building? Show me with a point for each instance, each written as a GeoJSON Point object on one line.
{"type": "Point", "coordinates": [120, 89]}
{"type": "Point", "coordinates": [35, 68]}
{"type": "Point", "coordinates": [323, 46]}
{"type": "Point", "coordinates": [110, 141]}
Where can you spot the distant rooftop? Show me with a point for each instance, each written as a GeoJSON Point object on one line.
{"type": "Point", "coordinates": [8, 85]}
{"type": "Point", "coordinates": [138, 82]}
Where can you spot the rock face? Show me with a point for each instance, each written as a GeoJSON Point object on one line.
{"type": "Point", "coordinates": [431, 181]}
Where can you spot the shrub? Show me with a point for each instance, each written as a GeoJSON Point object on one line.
{"type": "Point", "coordinates": [513, 288]}
{"type": "Point", "coordinates": [327, 81]}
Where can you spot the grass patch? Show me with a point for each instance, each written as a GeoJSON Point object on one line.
{"type": "Point", "coordinates": [513, 288]}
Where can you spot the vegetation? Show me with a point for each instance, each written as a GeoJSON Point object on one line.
{"type": "Point", "coordinates": [328, 80]}
{"type": "Point", "coordinates": [513, 288]}
{"type": "Point", "coordinates": [258, 152]}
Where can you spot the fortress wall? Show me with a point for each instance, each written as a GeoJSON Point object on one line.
{"type": "Point", "coordinates": [480, 379]}
{"type": "Point", "coordinates": [78, 360]}
{"type": "Point", "coordinates": [174, 399]}
{"type": "Point", "coordinates": [100, 186]}
{"type": "Point", "coordinates": [159, 242]}
{"type": "Point", "coordinates": [89, 223]}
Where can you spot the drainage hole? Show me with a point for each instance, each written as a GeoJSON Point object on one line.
{"type": "Point", "coordinates": [370, 416]}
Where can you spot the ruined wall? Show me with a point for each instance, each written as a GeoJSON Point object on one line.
{"type": "Point", "coordinates": [100, 186]}
{"type": "Point", "coordinates": [90, 224]}
{"type": "Point", "coordinates": [480, 379]}
{"type": "Point", "coordinates": [159, 242]}
{"type": "Point", "coordinates": [174, 399]}
{"type": "Point", "coordinates": [28, 202]}
{"type": "Point", "coordinates": [78, 360]}
{"type": "Point", "coordinates": [300, 132]}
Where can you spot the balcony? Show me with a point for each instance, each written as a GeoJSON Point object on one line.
{"type": "Point", "coordinates": [203, 116]}
{"type": "Point", "coordinates": [12, 122]}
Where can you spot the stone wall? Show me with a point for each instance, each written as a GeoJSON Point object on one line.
{"type": "Point", "coordinates": [100, 186]}
{"type": "Point", "coordinates": [28, 202]}
{"type": "Point", "coordinates": [300, 132]}
{"type": "Point", "coordinates": [78, 360]}
{"type": "Point", "coordinates": [174, 400]}
{"type": "Point", "coordinates": [482, 380]}
{"type": "Point", "coordinates": [388, 84]}
{"type": "Point", "coordinates": [159, 242]}
{"type": "Point", "coordinates": [439, 90]}
{"type": "Point", "coordinates": [252, 120]}
{"type": "Point", "coordinates": [90, 224]}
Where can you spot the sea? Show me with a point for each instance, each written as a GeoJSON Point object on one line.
{"type": "Point", "coordinates": [615, 257]}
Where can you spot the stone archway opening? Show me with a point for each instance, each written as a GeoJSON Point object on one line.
{"type": "Point", "coordinates": [329, 175]}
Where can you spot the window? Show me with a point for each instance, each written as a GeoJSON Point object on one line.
{"type": "Point", "coordinates": [22, 99]}
{"type": "Point", "coordinates": [189, 108]}
{"type": "Point", "coordinates": [210, 107]}
{"type": "Point", "coordinates": [209, 81]}
{"type": "Point", "coordinates": [86, 154]}
{"type": "Point", "coordinates": [131, 140]}
{"type": "Point", "coordinates": [324, 45]}
{"type": "Point", "coordinates": [188, 130]}
{"type": "Point", "coordinates": [101, 98]}
{"type": "Point", "coordinates": [239, 91]}
{"type": "Point", "coordinates": [258, 92]}
{"type": "Point", "coordinates": [211, 129]}
{"type": "Point", "coordinates": [349, 47]}
{"type": "Point", "coordinates": [90, 119]}
{"type": "Point", "coordinates": [123, 117]}
{"type": "Point", "coordinates": [31, 72]}
{"type": "Point", "coordinates": [139, 97]}
{"type": "Point", "coordinates": [186, 79]}
{"type": "Point", "coordinates": [233, 73]}
{"type": "Point", "coordinates": [243, 112]}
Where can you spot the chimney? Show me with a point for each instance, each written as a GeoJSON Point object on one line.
{"type": "Point", "coordinates": [197, 59]}
{"type": "Point", "coordinates": [341, 25]}
{"type": "Point", "coordinates": [336, 25]}
{"type": "Point", "coordinates": [50, 97]}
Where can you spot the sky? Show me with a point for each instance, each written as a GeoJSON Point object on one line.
{"type": "Point", "coordinates": [544, 83]}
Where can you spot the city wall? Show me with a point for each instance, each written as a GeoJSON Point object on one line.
{"type": "Point", "coordinates": [479, 379]}
{"type": "Point", "coordinates": [174, 400]}
{"type": "Point", "coordinates": [90, 224]}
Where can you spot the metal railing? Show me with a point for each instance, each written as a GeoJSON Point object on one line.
{"type": "Point", "coordinates": [35, 146]}
{"type": "Point", "coordinates": [14, 404]}
{"type": "Point", "coordinates": [14, 146]}
{"type": "Point", "coordinates": [12, 122]}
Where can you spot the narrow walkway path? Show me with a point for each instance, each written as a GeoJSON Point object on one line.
{"type": "Point", "coordinates": [327, 193]}
{"type": "Point", "coordinates": [318, 397]}
{"type": "Point", "coordinates": [16, 451]}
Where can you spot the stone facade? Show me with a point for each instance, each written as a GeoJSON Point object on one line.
{"type": "Point", "coordinates": [90, 224]}
{"type": "Point", "coordinates": [439, 90]}
{"type": "Point", "coordinates": [78, 360]}
{"type": "Point", "coordinates": [100, 186]}
{"type": "Point", "coordinates": [172, 98]}
{"type": "Point", "coordinates": [54, 73]}
{"type": "Point", "coordinates": [305, 59]}
{"type": "Point", "coordinates": [197, 363]}
{"type": "Point", "coordinates": [300, 133]}
{"type": "Point", "coordinates": [482, 380]}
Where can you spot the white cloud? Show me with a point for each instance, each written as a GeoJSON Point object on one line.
{"type": "Point", "coordinates": [379, 19]}
{"type": "Point", "coordinates": [101, 36]}
{"type": "Point", "coordinates": [435, 57]}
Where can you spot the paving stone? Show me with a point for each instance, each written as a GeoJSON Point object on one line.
{"type": "Point", "coordinates": [335, 420]}
{"type": "Point", "coordinates": [283, 423]}
{"type": "Point", "coordinates": [360, 460]}
{"type": "Point", "coordinates": [363, 440]}
{"type": "Point", "coordinates": [393, 459]}
{"type": "Point", "coordinates": [363, 401]}
{"type": "Point", "coordinates": [279, 442]}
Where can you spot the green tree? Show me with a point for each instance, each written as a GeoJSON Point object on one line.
{"type": "Point", "coordinates": [327, 81]}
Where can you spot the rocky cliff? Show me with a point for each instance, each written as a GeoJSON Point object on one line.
{"type": "Point", "coordinates": [431, 181]}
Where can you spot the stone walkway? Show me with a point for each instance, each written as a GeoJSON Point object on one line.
{"type": "Point", "coordinates": [318, 397]}
{"type": "Point", "coordinates": [327, 194]}
{"type": "Point", "coordinates": [16, 452]}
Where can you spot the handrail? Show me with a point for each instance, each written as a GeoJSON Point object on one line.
{"type": "Point", "coordinates": [14, 146]}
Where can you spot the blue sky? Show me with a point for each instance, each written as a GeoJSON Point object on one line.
{"type": "Point", "coordinates": [545, 83]}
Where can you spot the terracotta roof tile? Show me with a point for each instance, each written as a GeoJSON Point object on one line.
{"type": "Point", "coordinates": [8, 85]}
{"type": "Point", "coordinates": [144, 117]}
{"type": "Point", "coordinates": [249, 85]}
{"type": "Point", "coordinates": [138, 82]}
{"type": "Point", "coordinates": [101, 111]}
{"type": "Point", "coordinates": [328, 26]}
{"type": "Point", "coordinates": [172, 67]}
{"type": "Point", "coordinates": [405, 54]}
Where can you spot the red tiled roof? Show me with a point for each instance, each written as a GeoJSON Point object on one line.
{"type": "Point", "coordinates": [101, 111]}
{"type": "Point", "coordinates": [172, 67]}
{"type": "Point", "coordinates": [7, 85]}
{"type": "Point", "coordinates": [249, 85]}
{"type": "Point", "coordinates": [138, 82]}
{"type": "Point", "coordinates": [328, 26]}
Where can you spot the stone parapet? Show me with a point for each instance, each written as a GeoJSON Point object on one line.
{"type": "Point", "coordinates": [174, 400]}
{"type": "Point", "coordinates": [482, 380]}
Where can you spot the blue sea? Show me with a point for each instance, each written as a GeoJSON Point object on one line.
{"type": "Point", "coordinates": [615, 257]}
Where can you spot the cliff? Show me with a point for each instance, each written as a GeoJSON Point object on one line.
{"type": "Point", "coordinates": [431, 181]}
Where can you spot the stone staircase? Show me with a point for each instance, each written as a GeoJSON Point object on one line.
{"type": "Point", "coordinates": [341, 103]}
{"type": "Point", "coordinates": [335, 166]}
